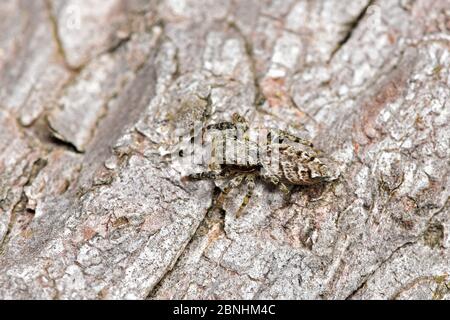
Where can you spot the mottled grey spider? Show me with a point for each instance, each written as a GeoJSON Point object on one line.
{"type": "Point", "coordinates": [281, 159]}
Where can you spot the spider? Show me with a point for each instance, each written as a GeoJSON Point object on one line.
{"type": "Point", "coordinates": [282, 159]}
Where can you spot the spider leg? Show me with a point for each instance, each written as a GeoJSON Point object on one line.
{"type": "Point", "coordinates": [284, 134]}
{"type": "Point", "coordinates": [283, 188]}
{"type": "Point", "coordinates": [250, 179]}
{"type": "Point", "coordinates": [216, 173]}
{"type": "Point", "coordinates": [204, 175]}
{"type": "Point", "coordinates": [276, 181]}
{"type": "Point", "coordinates": [221, 126]}
{"type": "Point", "coordinates": [240, 121]}
{"type": "Point", "coordinates": [233, 183]}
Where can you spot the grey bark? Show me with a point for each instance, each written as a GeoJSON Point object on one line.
{"type": "Point", "coordinates": [91, 91]}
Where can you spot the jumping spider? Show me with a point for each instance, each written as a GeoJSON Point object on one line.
{"type": "Point", "coordinates": [283, 159]}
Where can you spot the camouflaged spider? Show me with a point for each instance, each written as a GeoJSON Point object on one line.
{"type": "Point", "coordinates": [283, 159]}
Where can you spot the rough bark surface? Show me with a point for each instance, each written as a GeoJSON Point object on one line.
{"type": "Point", "coordinates": [91, 91]}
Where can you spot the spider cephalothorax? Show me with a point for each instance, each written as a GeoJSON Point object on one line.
{"type": "Point", "coordinates": [280, 158]}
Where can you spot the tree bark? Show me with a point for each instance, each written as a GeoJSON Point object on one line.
{"type": "Point", "coordinates": [92, 92]}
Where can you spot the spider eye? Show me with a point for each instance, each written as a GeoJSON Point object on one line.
{"type": "Point", "coordinates": [181, 153]}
